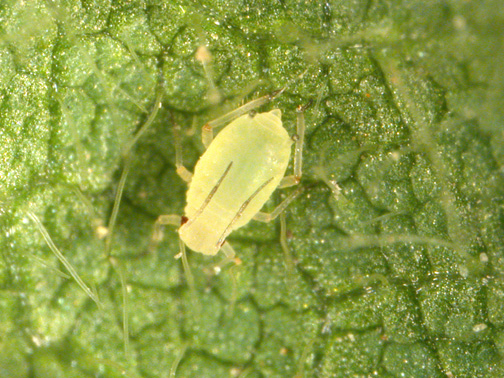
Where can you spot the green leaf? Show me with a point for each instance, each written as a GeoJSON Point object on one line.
{"type": "Point", "coordinates": [393, 263]}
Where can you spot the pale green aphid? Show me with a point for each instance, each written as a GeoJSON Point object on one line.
{"type": "Point", "coordinates": [235, 176]}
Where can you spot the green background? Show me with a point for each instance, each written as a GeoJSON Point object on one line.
{"type": "Point", "coordinates": [398, 274]}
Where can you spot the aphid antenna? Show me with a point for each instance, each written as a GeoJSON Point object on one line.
{"type": "Point", "coordinates": [302, 108]}
{"type": "Point", "coordinates": [249, 106]}
{"type": "Point", "coordinates": [278, 92]}
{"type": "Point", "coordinates": [150, 119]}
{"type": "Point", "coordinates": [71, 270]}
{"type": "Point", "coordinates": [128, 158]}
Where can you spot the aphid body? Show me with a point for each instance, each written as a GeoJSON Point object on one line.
{"type": "Point", "coordinates": [235, 177]}
{"type": "Point", "coordinates": [242, 167]}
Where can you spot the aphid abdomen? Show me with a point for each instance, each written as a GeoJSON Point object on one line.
{"type": "Point", "coordinates": [203, 234]}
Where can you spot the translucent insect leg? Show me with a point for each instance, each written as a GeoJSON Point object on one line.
{"type": "Point", "coordinates": [228, 251]}
{"type": "Point", "coordinates": [304, 356]}
{"type": "Point", "coordinates": [157, 232]}
{"type": "Point", "coordinates": [157, 235]}
{"type": "Point", "coordinates": [187, 269]}
{"type": "Point", "coordinates": [125, 307]}
{"type": "Point", "coordinates": [298, 152]}
{"type": "Point", "coordinates": [176, 362]}
{"type": "Point", "coordinates": [289, 261]}
{"type": "Point", "coordinates": [182, 171]}
{"type": "Point", "coordinates": [279, 210]}
{"type": "Point", "coordinates": [234, 291]}
{"type": "Point", "coordinates": [229, 257]}
{"type": "Point", "coordinates": [268, 217]}
{"type": "Point", "coordinates": [229, 254]}
{"type": "Point", "coordinates": [205, 57]}
{"type": "Point", "coordinates": [207, 131]}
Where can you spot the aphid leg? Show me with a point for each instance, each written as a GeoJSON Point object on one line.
{"type": "Point", "coordinates": [176, 362]}
{"type": "Point", "coordinates": [298, 153]}
{"type": "Point", "coordinates": [157, 232]}
{"type": "Point", "coordinates": [304, 357]}
{"type": "Point", "coordinates": [230, 257]}
{"type": "Point", "coordinates": [289, 261]}
{"type": "Point", "coordinates": [207, 131]}
{"type": "Point", "coordinates": [125, 307]}
{"type": "Point", "coordinates": [228, 251]}
{"type": "Point", "coordinates": [234, 291]}
{"type": "Point", "coordinates": [205, 57]}
{"type": "Point", "coordinates": [182, 171]}
{"type": "Point", "coordinates": [157, 235]}
{"type": "Point", "coordinates": [229, 254]}
{"type": "Point", "coordinates": [187, 268]}
{"type": "Point", "coordinates": [268, 217]}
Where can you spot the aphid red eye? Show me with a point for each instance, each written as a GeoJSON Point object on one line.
{"type": "Point", "coordinates": [183, 220]}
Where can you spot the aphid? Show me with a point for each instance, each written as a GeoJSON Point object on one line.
{"type": "Point", "coordinates": [236, 175]}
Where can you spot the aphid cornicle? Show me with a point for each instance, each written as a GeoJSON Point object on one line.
{"type": "Point", "coordinates": [236, 175]}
